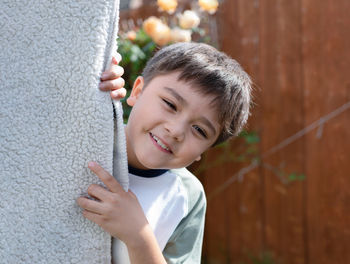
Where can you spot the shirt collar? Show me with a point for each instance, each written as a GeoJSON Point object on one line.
{"type": "Point", "coordinates": [146, 173]}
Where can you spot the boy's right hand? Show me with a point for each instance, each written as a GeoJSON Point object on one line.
{"type": "Point", "coordinates": [120, 214]}
{"type": "Point", "coordinates": [111, 80]}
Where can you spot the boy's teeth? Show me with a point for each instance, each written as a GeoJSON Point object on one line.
{"type": "Point", "coordinates": [160, 143]}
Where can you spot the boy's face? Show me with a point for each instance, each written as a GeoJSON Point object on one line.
{"type": "Point", "coordinates": [170, 124]}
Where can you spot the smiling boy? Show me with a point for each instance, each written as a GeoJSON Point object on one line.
{"type": "Point", "coordinates": [190, 97]}
{"type": "Point", "coordinates": [172, 124]}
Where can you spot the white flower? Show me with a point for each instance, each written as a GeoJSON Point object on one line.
{"type": "Point", "coordinates": [180, 35]}
{"type": "Point", "coordinates": [189, 19]}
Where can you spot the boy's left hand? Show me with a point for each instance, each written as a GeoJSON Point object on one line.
{"type": "Point", "coordinates": [111, 80]}
{"type": "Point", "coordinates": [118, 212]}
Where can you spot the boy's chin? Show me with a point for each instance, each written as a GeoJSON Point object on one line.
{"type": "Point", "coordinates": [152, 166]}
{"type": "Point", "coordinates": [159, 167]}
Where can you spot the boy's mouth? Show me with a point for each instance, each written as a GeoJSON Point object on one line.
{"type": "Point", "coordinates": [160, 143]}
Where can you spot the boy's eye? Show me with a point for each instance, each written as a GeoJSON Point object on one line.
{"type": "Point", "coordinates": [200, 131]}
{"type": "Point", "coordinates": [171, 105]}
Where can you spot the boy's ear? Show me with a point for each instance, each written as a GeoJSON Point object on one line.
{"type": "Point", "coordinates": [136, 91]}
{"type": "Point", "coordinates": [198, 158]}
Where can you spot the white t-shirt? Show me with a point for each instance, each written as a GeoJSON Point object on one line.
{"type": "Point", "coordinates": [174, 204]}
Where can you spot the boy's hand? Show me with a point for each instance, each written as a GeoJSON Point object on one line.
{"type": "Point", "coordinates": [116, 211]}
{"type": "Point", "coordinates": [112, 81]}
{"type": "Point", "coordinates": [119, 213]}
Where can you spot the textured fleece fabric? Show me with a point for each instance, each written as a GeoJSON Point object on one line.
{"type": "Point", "coordinates": [53, 121]}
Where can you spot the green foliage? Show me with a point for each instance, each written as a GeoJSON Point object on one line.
{"type": "Point", "coordinates": [135, 54]}
{"type": "Point", "coordinates": [250, 137]}
{"type": "Point", "coordinates": [248, 141]}
{"type": "Point", "coordinates": [243, 149]}
{"type": "Point", "coordinates": [295, 177]}
{"type": "Point", "coordinates": [263, 258]}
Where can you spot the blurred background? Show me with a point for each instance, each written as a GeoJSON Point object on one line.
{"type": "Point", "coordinates": [280, 192]}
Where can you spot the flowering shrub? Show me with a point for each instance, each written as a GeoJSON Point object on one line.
{"type": "Point", "coordinates": [209, 5]}
{"type": "Point", "coordinates": [137, 44]}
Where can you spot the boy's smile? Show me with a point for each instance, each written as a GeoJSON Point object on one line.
{"type": "Point", "coordinates": [170, 125]}
{"type": "Point", "coordinates": [160, 144]}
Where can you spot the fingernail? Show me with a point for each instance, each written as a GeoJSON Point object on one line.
{"type": "Point", "coordinates": [114, 60]}
{"type": "Point", "coordinates": [91, 164]}
{"type": "Point", "coordinates": [118, 57]}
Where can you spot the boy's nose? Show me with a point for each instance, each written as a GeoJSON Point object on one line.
{"type": "Point", "coordinates": [175, 130]}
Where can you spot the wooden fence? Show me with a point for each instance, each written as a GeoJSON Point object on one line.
{"type": "Point", "coordinates": [297, 53]}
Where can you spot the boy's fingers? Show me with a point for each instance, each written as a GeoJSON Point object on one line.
{"type": "Point", "coordinates": [115, 61]}
{"type": "Point", "coordinates": [106, 178]}
{"type": "Point", "coordinates": [118, 94]}
{"type": "Point", "coordinates": [96, 218]}
{"type": "Point", "coordinates": [112, 84]}
{"type": "Point", "coordinates": [90, 205]}
{"type": "Point", "coordinates": [117, 58]}
{"type": "Point", "coordinates": [98, 192]}
{"type": "Point", "coordinates": [113, 72]}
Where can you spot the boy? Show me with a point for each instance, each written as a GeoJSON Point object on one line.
{"type": "Point", "coordinates": [190, 97]}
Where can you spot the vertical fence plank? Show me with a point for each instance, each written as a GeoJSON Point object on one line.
{"type": "Point", "coordinates": [216, 237]}
{"type": "Point", "coordinates": [326, 43]}
{"type": "Point", "coordinates": [282, 115]}
{"type": "Point", "coordinates": [239, 37]}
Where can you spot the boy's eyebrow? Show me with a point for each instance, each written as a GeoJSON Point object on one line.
{"type": "Point", "coordinates": [184, 102]}
{"type": "Point", "coordinates": [208, 123]}
{"type": "Point", "coordinates": [176, 95]}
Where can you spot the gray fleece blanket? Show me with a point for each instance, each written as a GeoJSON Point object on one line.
{"type": "Point", "coordinates": [53, 120]}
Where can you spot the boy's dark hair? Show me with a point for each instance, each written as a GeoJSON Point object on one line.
{"type": "Point", "coordinates": [215, 73]}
